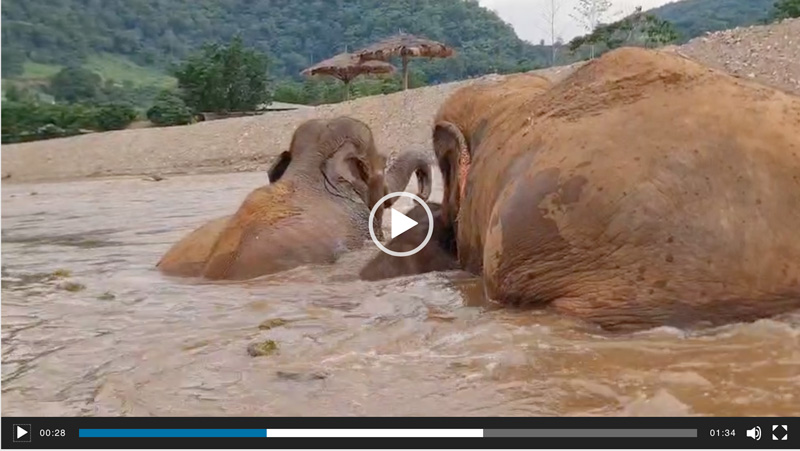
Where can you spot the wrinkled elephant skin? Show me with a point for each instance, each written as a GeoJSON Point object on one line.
{"type": "Point", "coordinates": [642, 190]}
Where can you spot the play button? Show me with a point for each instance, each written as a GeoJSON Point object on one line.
{"type": "Point", "coordinates": [400, 223]}
{"type": "Point", "coordinates": [22, 432]}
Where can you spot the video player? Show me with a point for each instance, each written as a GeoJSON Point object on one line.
{"type": "Point", "coordinates": [400, 224]}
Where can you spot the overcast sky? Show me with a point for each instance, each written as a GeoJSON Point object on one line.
{"type": "Point", "coordinates": [527, 19]}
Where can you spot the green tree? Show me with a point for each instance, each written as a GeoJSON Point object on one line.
{"type": "Point", "coordinates": [114, 116]}
{"type": "Point", "coordinates": [75, 84]}
{"type": "Point", "coordinates": [140, 96]}
{"type": "Point", "coordinates": [289, 92]}
{"type": "Point", "coordinates": [169, 109]}
{"type": "Point", "coordinates": [17, 94]}
{"type": "Point", "coordinates": [658, 31]}
{"type": "Point", "coordinates": [12, 62]}
{"type": "Point", "coordinates": [590, 13]}
{"type": "Point", "coordinates": [636, 29]}
{"type": "Point", "coordinates": [224, 78]}
{"type": "Point", "coordinates": [785, 9]}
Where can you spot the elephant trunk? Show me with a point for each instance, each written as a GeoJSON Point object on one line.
{"type": "Point", "coordinates": [400, 169]}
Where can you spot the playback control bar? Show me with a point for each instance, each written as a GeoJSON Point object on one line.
{"type": "Point", "coordinates": [387, 433]}
{"type": "Point", "coordinates": [333, 433]}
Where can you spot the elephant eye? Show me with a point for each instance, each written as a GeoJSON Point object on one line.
{"type": "Point", "coordinates": [359, 168]}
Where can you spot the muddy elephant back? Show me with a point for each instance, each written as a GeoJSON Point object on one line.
{"type": "Point", "coordinates": [244, 247]}
{"type": "Point", "coordinates": [188, 256]}
{"type": "Point", "coordinates": [649, 188]}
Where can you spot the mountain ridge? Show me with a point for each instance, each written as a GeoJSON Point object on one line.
{"type": "Point", "coordinates": [294, 34]}
{"type": "Point", "coordinates": [693, 18]}
{"type": "Point", "coordinates": [155, 34]}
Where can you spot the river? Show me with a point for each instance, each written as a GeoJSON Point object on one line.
{"type": "Point", "coordinates": [89, 327]}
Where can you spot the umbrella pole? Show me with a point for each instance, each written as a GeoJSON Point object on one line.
{"type": "Point", "coordinates": [346, 90]}
{"type": "Point", "coordinates": [405, 72]}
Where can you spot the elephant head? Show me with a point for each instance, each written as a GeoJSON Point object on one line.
{"type": "Point", "coordinates": [463, 128]}
{"type": "Point", "coordinates": [338, 155]}
{"type": "Point", "coordinates": [353, 163]}
{"type": "Point", "coordinates": [344, 152]}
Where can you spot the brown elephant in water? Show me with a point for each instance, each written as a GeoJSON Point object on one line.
{"type": "Point", "coordinates": [643, 190]}
{"type": "Point", "coordinates": [437, 255]}
{"type": "Point", "coordinates": [315, 208]}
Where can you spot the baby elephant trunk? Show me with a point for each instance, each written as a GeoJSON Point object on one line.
{"type": "Point", "coordinates": [400, 169]}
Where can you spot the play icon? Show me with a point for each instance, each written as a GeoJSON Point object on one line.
{"type": "Point", "coordinates": [22, 432]}
{"type": "Point", "coordinates": [400, 223]}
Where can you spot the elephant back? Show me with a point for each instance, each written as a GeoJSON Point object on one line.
{"type": "Point", "coordinates": [680, 182]}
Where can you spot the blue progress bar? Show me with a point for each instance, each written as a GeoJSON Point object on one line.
{"type": "Point", "coordinates": [171, 433]}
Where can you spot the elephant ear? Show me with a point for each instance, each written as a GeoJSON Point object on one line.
{"type": "Point", "coordinates": [347, 166]}
{"type": "Point", "coordinates": [277, 169]}
{"type": "Point", "coordinates": [454, 160]}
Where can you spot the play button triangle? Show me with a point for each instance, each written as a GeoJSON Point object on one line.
{"type": "Point", "coordinates": [21, 432]}
{"type": "Point", "coordinates": [400, 223]}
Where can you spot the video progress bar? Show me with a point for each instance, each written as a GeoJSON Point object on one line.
{"type": "Point", "coordinates": [387, 433]}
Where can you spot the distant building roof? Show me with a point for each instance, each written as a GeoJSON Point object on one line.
{"type": "Point", "coordinates": [282, 106]}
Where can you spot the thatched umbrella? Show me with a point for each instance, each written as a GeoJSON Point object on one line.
{"type": "Point", "coordinates": [405, 46]}
{"type": "Point", "coordinates": [346, 67]}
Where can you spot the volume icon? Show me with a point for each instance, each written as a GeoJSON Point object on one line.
{"type": "Point", "coordinates": [754, 433]}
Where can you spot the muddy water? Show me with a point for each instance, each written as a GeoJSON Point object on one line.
{"type": "Point", "coordinates": [90, 328]}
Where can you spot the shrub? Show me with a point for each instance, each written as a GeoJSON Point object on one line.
{"type": "Point", "coordinates": [29, 121]}
{"type": "Point", "coordinates": [169, 109]}
{"type": "Point", "coordinates": [785, 9]}
{"type": "Point", "coordinates": [75, 84]}
{"type": "Point", "coordinates": [114, 116]}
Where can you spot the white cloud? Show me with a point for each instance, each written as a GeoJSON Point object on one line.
{"type": "Point", "coordinates": [528, 20]}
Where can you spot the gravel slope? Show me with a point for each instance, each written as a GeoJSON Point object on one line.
{"type": "Point", "coordinates": [770, 54]}
{"type": "Point", "coordinates": [400, 121]}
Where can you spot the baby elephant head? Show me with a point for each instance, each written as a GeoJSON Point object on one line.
{"type": "Point", "coordinates": [339, 156]}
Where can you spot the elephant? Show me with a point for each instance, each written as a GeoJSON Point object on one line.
{"type": "Point", "coordinates": [643, 190]}
{"type": "Point", "coordinates": [315, 207]}
{"type": "Point", "coordinates": [437, 255]}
